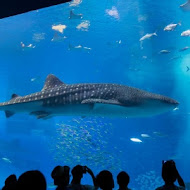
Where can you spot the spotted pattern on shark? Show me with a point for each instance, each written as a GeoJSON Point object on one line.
{"type": "Point", "coordinates": [95, 99]}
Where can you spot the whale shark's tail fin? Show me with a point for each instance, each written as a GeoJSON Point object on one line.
{"type": "Point", "coordinates": [10, 113]}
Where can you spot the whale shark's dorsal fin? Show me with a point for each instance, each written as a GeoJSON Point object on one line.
{"type": "Point", "coordinates": [51, 82]}
{"type": "Point", "coordinates": [14, 96]}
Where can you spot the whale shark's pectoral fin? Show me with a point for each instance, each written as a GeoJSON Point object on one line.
{"type": "Point", "coordinates": [51, 82]}
{"type": "Point", "coordinates": [102, 101]}
{"type": "Point", "coordinates": [9, 113]}
{"type": "Point", "coordinates": [41, 114]}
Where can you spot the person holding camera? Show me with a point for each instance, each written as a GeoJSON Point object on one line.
{"type": "Point", "coordinates": [77, 173]}
{"type": "Point", "coordinates": [170, 174]}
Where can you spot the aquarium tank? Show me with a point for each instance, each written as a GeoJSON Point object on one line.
{"type": "Point", "coordinates": [143, 44]}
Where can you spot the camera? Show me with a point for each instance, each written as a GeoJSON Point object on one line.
{"type": "Point", "coordinates": [170, 162]}
{"type": "Point", "coordinates": [84, 169]}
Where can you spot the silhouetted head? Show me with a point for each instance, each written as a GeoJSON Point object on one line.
{"type": "Point", "coordinates": [77, 172]}
{"type": "Point", "coordinates": [169, 171]}
{"type": "Point", "coordinates": [31, 180]}
{"type": "Point", "coordinates": [60, 174]}
{"type": "Point", "coordinates": [105, 180]}
{"type": "Point", "coordinates": [123, 179]}
{"type": "Point", "coordinates": [10, 183]}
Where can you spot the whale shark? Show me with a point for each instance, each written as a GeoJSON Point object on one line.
{"type": "Point", "coordinates": [88, 99]}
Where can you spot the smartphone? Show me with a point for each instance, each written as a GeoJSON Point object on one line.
{"type": "Point", "coordinates": [164, 161]}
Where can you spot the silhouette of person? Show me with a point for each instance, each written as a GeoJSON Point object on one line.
{"type": "Point", "coordinates": [123, 180]}
{"type": "Point", "coordinates": [105, 180]}
{"type": "Point", "coordinates": [170, 174]}
{"type": "Point", "coordinates": [10, 183]}
{"type": "Point", "coordinates": [77, 173]}
{"type": "Point", "coordinates": [61, 177]}
{"type": "Point", "coordinates": [31, 180]}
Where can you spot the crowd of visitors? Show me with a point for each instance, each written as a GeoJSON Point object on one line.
{"type": "Point", "coordinates": [35, 180]}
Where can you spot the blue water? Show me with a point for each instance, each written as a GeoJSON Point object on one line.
{"type": "Point", "coordinates": [112, 32]}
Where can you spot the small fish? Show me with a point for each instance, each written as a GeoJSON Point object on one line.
{"type": "Point", "coordinates": [83, 25]}
{"type": "Point", "coordinates": [30, 45]}
{"type": "Point", "coordinates": [171, 27]}
{"type": "Point", "coordinates": [6, 160]}
{"type": "Point", "coordinates": [142, 18]}
{"type": "Point", "coordinates": [135, 140]}
{"type": "Point", "coordinates": [33, 79]}
{"type": "Point", "coordinates": [74, 47]}
{"type": "Point", "coordinates": [175, 157]}
{"type": "Point", "coordinates": [38, 37]}
{"type": "Point", "coordinates": [164, 51]}
{"type": "Point", "coordinates": [59, 28]}
{"type": "Point", "coordinates": [57, 38]}
{"type": "Point", "coordinates": [118, 41]}
{"type": "Point", "coordinates": [75, 16]}
{"type": "Point", "coordinates": [79, 47]}
{"type": "Point", "coordinates": [36, 80]}
{"type": "Point", "coordinates": [144, 57]}
{"type": "Point", "coordinates": [185, 48]}
{"type": "Point", "coordinates": [113, 12]}
{"type": "Point", "coordinates": [175, 58]}
{"type": "Point", "coordinates": [148, 36]}
{"type": "Point", "coordinates": [185, 6]}
{"type": "Point", "coordinates": [26, 46]}
{"type": "Point", "coordinates": [187, 69]}
{"type": "Point", "coordinates": [175, 109]}
{"type": "Point", "coordinates": [185, 33]}
{"type": "Point", "coordinates": [87, 48]}
{"type": "Point", "coordinates": [22, 44]}
{"type": "Point", "coordinates": [159, 134]}
{"type": "Point", "coordinates": [145, 135]}
{"type": "Point", "coordinates": [75, 3]}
